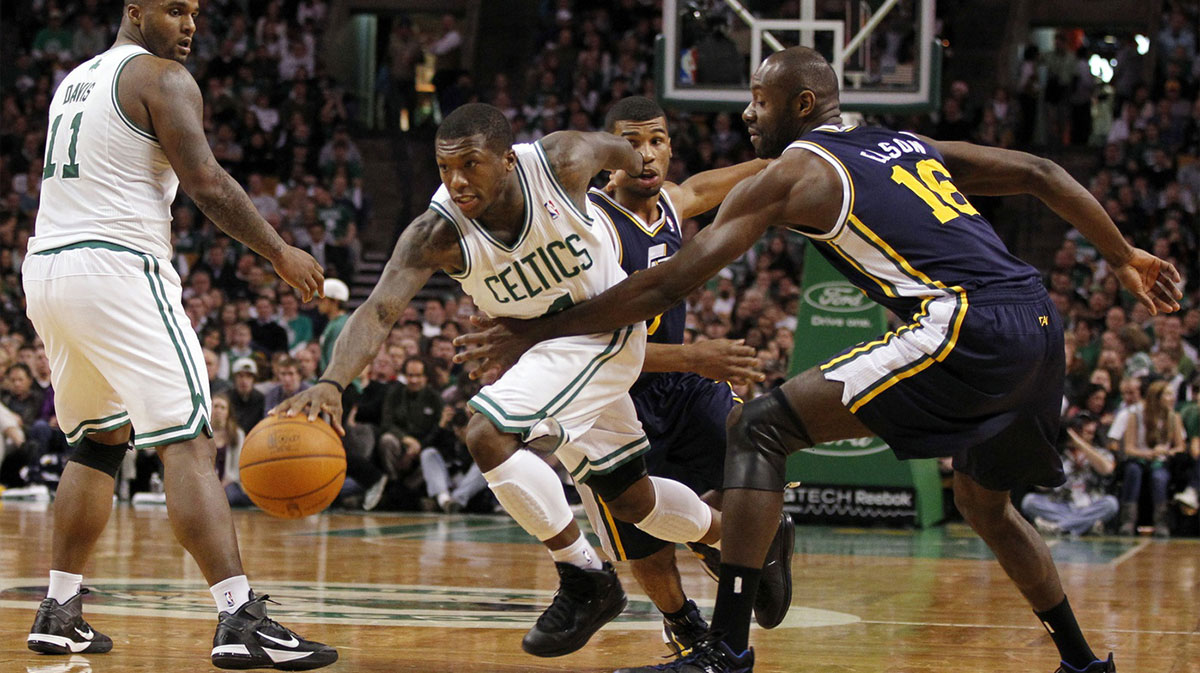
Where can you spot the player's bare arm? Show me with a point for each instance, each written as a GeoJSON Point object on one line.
{"type": "Point", "coordinates": [161, 96]}
{"type": "Point", "coordinates": [705, 190]}
{"type": "Point", "coordinates": [991, 171]}
{"type": "Point", "coordinates": [428, 244]}
{"type": "Point", "coordinates": [577, 156]}
{"type": "Point", "coordinates": [717, 359]}
{"type": "Point", "coordinates": [785, 193]}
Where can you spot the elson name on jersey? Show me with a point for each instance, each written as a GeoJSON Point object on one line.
{"type": "Point", "coordinates": [895, 149]}
{"type": "Point", "coordinates": [533, 272]}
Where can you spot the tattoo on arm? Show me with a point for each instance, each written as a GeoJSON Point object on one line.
{"type": "Point", "coordinates": [428, 244]}
{"type": "Point", "coordinates": [176, 111]}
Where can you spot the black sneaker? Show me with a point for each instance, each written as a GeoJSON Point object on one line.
{"type": "Point", "coordinates": [682, 633]}
{"type": "Point", "coordinates": [585, 601]}
{"type": "Point", "coordinates": [709, 655]}
{"type": "Point", "coordinates": [1095, 667]}
{"type": "Point", "coordinates": [59, 628]}
{"type": "Point", "coordinates": [248, 638]}
{"type": "Point", "coordinates": [774, 595]}
{"type": "Point", "coordinates": [710, 558]}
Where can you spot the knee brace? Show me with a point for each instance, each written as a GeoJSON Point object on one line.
{"type": "Point", "coordinates": [759, 442]}
{"type": "Point", "coordinates": [679, 515]}
{"type": "Point", "coordinates": [106, 458]}
{"type": "Point", "coordinates": [531, 493]}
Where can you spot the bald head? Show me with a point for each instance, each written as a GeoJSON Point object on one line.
{"type": "Point", "coordinates": [792, 92]}
{"type": "Point", "coordinates": [796, 69]}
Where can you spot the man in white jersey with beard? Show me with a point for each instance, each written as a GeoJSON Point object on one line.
{"type": "Point", "coordinates": [125, 132]}
{"type": "Point", "coordinates": [512, 224]}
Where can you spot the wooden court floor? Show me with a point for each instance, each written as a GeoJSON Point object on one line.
{"type": "Point", "coordinates": [431, 593]}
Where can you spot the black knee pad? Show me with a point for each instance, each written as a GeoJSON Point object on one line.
{"type": "Point", "coordinates": [760, 441]}
{"type": "Point", "coordinates": [104, 457]}
{"type": "Point", "coordinates": [611, 485]}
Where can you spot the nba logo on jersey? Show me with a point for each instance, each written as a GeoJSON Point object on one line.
{"type": "Point", "coordinates": [552, 209]}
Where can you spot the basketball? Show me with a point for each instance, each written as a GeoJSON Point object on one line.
{"type": "Point", "coordinates": [292, 467]}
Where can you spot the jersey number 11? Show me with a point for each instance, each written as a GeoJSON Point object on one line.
{"type": "Point", "coordinates": [70, 170]}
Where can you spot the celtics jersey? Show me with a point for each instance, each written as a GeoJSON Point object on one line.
{"type": "Point", "coordinates": [561, 255]}
{"type": "Point", "coordinates": [104, 178]}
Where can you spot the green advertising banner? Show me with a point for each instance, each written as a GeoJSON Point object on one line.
{"type": "Point", "coordinates": [857, 480]}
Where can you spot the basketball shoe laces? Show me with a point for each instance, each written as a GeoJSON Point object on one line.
{"type": "Point", "coordinates": [574, 588]}
{"type": "Point", "coordinates": [705, 655]}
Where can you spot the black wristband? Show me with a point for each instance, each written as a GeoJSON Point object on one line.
{"type": "Point", "coordinates": [340, 388]}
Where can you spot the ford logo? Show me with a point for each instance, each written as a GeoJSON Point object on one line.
{"type": "Point", "coordinates": [837, 296]}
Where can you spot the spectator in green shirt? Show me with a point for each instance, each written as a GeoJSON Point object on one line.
{"type": "Point", "coordinates": [332, 306]}
{"type": "Point", "coordinates": [1189, 498]}
{"type": "Point", "coordinates": [53, 40]}
{"type": "Point", "coordinates": [299, 326]}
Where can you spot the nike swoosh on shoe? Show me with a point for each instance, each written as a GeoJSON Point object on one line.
{"type": "Point", "coordinates": [86, 636]}
{"type": "Point", "coordinates": [293, 642]}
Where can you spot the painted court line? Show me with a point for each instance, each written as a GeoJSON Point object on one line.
{"type": "Point", "coordinates": [1023, 627]}
{"type": "Point", "coordinates": [1130, 553]}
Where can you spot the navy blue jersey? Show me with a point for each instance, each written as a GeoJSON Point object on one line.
{"type": "Point", "coordinates": [644, 245]}
{"type": "Point", "coordinates": [905, 232]}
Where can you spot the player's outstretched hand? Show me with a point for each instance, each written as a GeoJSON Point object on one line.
{"type": "Point", "coordinates": [298, 269]}
{"type": "Point", "coordinates": [725, 360]}
{"type": "Point", "coordinates": [321, 397]}
{"type": "Point", "coordinates": [497, 344]}
{"type": "Point", "coordinates": [1154, 281]}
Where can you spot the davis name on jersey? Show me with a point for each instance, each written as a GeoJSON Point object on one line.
{"type": "Point", "coordinates": [561, 255]}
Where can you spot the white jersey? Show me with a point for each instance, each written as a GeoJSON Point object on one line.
{"type": "Point", "coordinates": [104, 178]}
{"type": "Point", "coordinates": [561, 256]}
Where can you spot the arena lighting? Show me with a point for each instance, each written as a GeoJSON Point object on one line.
{"type": "Point", "coordinates": [1143, 44]}
{"type": "Point", "coordinates": [1101, 68]}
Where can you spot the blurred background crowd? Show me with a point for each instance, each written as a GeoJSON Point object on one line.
{"type": "Point", "coordinates": [290, 132]}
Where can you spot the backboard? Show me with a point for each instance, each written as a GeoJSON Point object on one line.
{"type": "Point", "coordinates": [884, 51]}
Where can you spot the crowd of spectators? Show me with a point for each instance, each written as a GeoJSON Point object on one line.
{"type": "Point", "coordinates": [269, 107]}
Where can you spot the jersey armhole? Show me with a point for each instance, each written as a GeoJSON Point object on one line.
{"type": "Point", "coordinates": [133, 128]}
{"type": "Point", "coordinates": [847, 189]}
{"type": "Point", "coordinates": [462, 240]}
{"type": "Point", "coordinates": [548, 169]}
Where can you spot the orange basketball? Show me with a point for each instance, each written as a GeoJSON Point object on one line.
{"type": "Point", "coordinates": [292, 467]}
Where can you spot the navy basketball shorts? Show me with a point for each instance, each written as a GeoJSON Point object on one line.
{"type": "Point", "coordinates": [977, 376]}
{"type": "Point", "coordinates": [684, 417]}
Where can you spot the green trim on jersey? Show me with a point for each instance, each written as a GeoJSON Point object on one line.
{"type": "Point", "coordinates": [525, 228]}
{"type": "Point", "coordinates": [102, 245]}
{"type": "Point", "coordinates": [117, 101]}
{"type": "Point", "coordinates": [558, 187]}
{"type": "Point", "coordinates": [522, 424]}
{"type": "Point", "coordinates": [93, 425]}
{"type": "Point", "coordinates": [588, 469]}
{"type": "Point", "coordinates": [462, 239]}
{"type": "Point", "coordinates": [189, 428]}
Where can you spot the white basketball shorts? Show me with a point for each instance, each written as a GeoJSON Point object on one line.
{"type": "Point", "coordinates": [121, 349]}
{"type": "Point", "coordinates": [571, 396]}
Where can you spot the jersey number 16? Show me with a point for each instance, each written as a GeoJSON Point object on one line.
{"type": "Point", "coordinates": [938, 192]}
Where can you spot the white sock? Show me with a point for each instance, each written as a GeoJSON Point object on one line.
{"type": "Point", "coordinates": [63, 586]}
{"type": "Point", "coordinates": [579, 554]}
{"type": "Point", "coordinates": [231, 594]}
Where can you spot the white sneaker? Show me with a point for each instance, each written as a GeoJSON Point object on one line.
{"type": "Point", "coordinates": [149, 499]}
{"type": "Point", "coordinates": [1188, 498]}
{"type": "Point", "coordinates": [374, 494]}
{"type": "Point", "coordinates": [33, 493]}
{"type": "Point", "coordinates": [1046, 526]}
